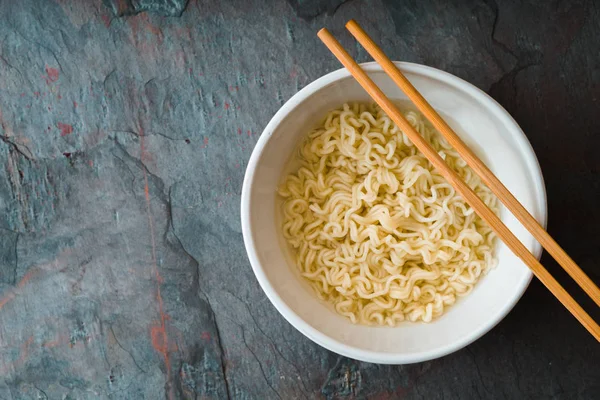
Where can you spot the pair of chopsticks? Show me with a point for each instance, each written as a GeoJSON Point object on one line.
{"type": "Point", "coordinates": [477, 165]}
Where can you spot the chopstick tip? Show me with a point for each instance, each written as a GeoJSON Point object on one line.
{"type": "Point", "coordinates": [323, 32]}
{"type": "Point", "coordinates": [351, 23]}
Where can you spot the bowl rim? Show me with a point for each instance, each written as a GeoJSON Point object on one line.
{"type": "Point", "coordinates": [294, 319]}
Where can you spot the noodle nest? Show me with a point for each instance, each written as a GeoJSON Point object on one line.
{"type": "Point", "coordinates": [375, 229]}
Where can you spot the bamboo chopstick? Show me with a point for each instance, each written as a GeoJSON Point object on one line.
{"type": "Point", "coordinates": [461, 187]}
{"type": "Point", "coordinates": [528, 221]}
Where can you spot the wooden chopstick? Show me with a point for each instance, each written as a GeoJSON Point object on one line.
{"type": "Point", "coordinates": [507, 198]}
{"type": "Point", "coordinates": [461, 187]}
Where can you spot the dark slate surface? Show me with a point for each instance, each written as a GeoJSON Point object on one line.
{"type": "Point", "coordinates": [126, 128]}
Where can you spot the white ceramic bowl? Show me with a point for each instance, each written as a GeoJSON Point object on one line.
{"type": "Point", "coordinates": [483, 124]}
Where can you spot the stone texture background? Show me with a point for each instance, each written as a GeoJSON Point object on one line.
{"type": "Point", "coordinates": [126, 127]}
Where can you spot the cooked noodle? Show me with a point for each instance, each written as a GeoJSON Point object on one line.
{"type": "Point", "coordinates": [375, 229]}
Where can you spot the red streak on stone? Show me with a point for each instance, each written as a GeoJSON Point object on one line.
{"type": "Point", "coordinates": [75, 104]}
{"type": "Point", "coordinates": [26, 278]}
{"type": "Point", "coordinates": [91, 163]}
{"type": "Point", "coordinates": [239, 131]}
{"type": "Point", "coordinates": [60, 339]}
{"type": "Point", "coordinates": [106, 20]}
{"type": "Point", "coordinates": [6, 299]}
{"type": "Point", "coordinates": [10, 296]}
{"type": "Point", "coordinates": [65, 129]}
{"type": "Point", "coordinates": [227, 106]}
{"type": "Point", "coordinates": [22, 94]}
{"type": "Point", "coordinates": [36, 94]}
{"type": "Point", "coordinates": [249, 133]}
{"type": "Point", "coordinates": [205, 335]}
{"type": "Point", "coordinates": [52, 74]}
{"type": "Point", "coordinates": [205, 143]}
{"type": "Point", "coordinates": [51, 344]}
{"type": "Point", "coordinates": [160, 340]}
{"type": "Point", "coordinates": [59, 97]}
